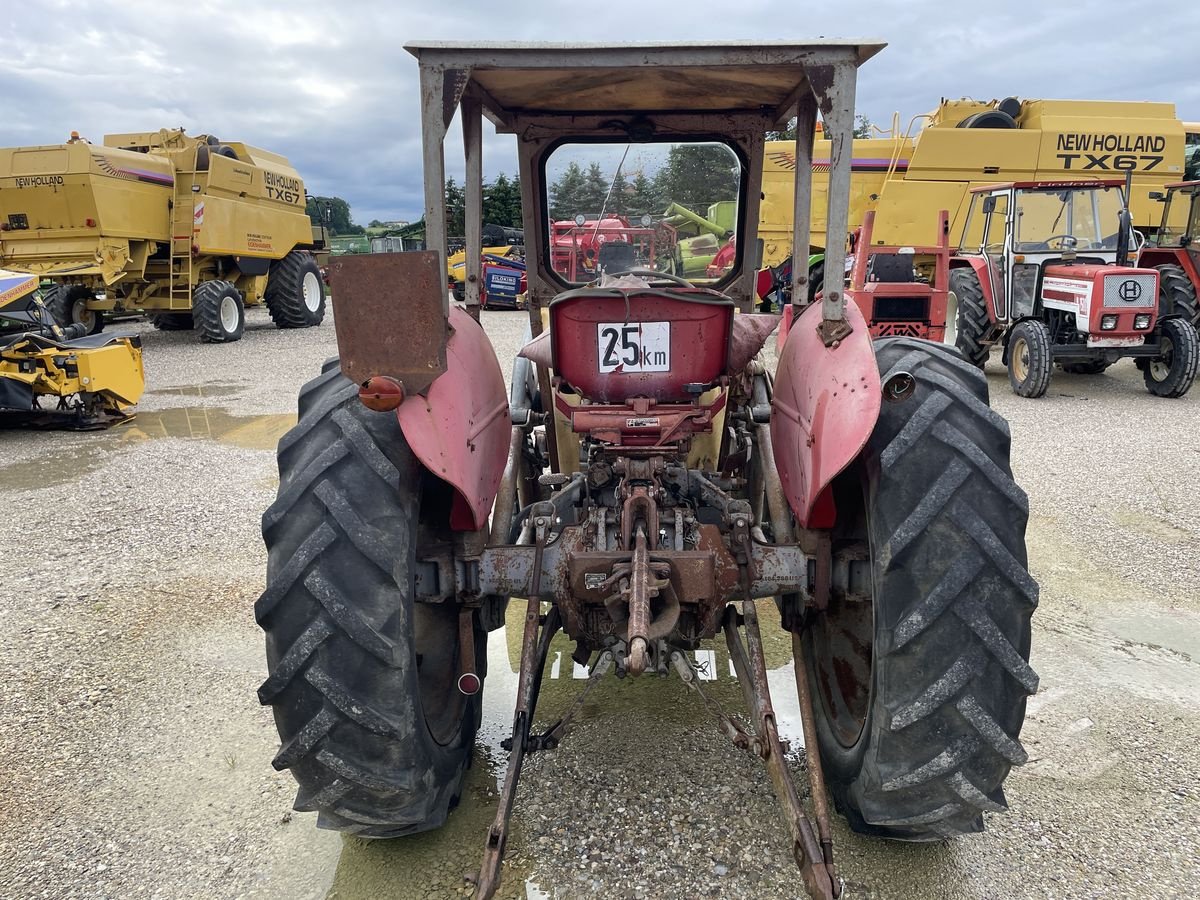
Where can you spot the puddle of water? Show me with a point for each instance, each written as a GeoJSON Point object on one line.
{"type": "Point", "coordinates": [216, 389]}
{"type": "Point", "coordinates": [206, 422]}
{"type": "Point", "coordinates": [59, 465]}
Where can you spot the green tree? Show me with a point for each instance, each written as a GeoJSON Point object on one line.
{"type": "Point", "coordinates": [644, 196]}
{"type": "Point", "coordinates": [619, 194]}
{"type": "Point", "coordinates": [595, 190]}
{"type": "Point", "coordinates": [456, 206]}
{"type": "Point", "coordinates": [566, 193]}
{"type": "Point", "coordinates": [502, 202]}
{"type": "Point", "coordinates": [698, 175]}
{"type": "Point", "coordinates": [339, 220]}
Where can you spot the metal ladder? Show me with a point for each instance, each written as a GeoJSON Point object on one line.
{"type": "Point", "coordinates": [183, 219]}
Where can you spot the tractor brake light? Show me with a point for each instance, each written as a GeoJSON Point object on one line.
{"type": "Point", "coordinates": [1141, 322]}
{"type": "Point", "coordinates": [381, 393]}
{"type": "Point", "coordinates": [1108, 323]}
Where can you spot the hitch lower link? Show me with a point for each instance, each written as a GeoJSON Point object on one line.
{"type": "Point", "coordinates": [812, 849]}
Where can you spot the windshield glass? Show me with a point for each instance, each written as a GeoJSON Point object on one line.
{"type": "Point", "coordinates": [665, 207]}
{"type": "Point", "coordinates": [1085, 219]}
{"type": "Point", "coordinates": [1181, 218]}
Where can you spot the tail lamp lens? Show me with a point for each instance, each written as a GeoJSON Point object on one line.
{"type": "Point", "coordinates": [381, 393]}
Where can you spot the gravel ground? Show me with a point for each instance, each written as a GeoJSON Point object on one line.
{"type": "Point", "coordinates": [136, 761]}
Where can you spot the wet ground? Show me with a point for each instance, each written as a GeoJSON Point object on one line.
{"type": "Point", "coordinates": [135, 760]}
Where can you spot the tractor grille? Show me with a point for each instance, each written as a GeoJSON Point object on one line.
{"type": "Point", "coordinates": [1127, 291]}
{"type": "Point", "coordinates": [901, 309]}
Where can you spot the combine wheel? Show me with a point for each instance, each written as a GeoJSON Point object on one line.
{"type": "Point", "coordinates": [218, 312]}
{"type": "Point", "coordinates": [68, 304]}
{"type": "Point", "coordinates": [1029, 360]}
{"type": "Point", "coordinates": [295, 295]}
{"type": "Point", "coordinates": [971, 320]}
{"type": "Point", "coordinates": [1172, 373]}
{"type": "Point", "coordinates": [1177, 294]}
{"type": "Point", "coordinates": [173, 321]}
{"type": "Point", "coordinates": [919, 668]}
{"type": "Point", "coordinates": [363, 680]}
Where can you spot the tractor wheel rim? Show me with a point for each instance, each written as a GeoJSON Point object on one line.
{"type": "Point", "coordinates": [229, 314]}
{"type": "Point", "coordinates": [310, 290]}
{"type": "Point", "coordinates": [1160, 368]}
{"type": "Point", "coordinates": [950, 335]}
{"type": "Point", "coordinates": [1020, 358]}
{"type": "Point", "coordinates": [81, 314]}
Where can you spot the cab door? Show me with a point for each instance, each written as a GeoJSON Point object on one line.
{"type": "Point", "coordinates": [997, 238]}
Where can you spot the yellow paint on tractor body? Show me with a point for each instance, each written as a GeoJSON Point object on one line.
{"type": "Point", "coordinates": [146, 217]}
{"type": "Point", "coordinates": [908, 178]}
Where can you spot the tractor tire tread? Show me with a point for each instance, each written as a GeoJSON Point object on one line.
{"type": "Point", "coordinates": [1184, 364]}
{"type": "Point", "coordinates": [1179, 293]}
{"type": "Point", "coordinates": [974, 322]}
{"type": "Point", "coordinates": [1041, 366]}
{"type": "Point", "coordinates": [206, 312]}
{"type": "Point", "coordinates": [338, 619]}
{"type": "Point", "coordinates": [284, 296]}
{"type": "Point", "coordinates": [954, 672]}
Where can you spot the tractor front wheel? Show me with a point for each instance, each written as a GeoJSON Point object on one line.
{"type": "Point", "coordinates": [971, 321]}
{"type": "Point", "coordinates": [218, 312]}
{"type": "Point", "coordinates": [68, 304]}
{"type": "Point", "coordinates": [363, 677]}
{"type": "Point", "coordinates": [1029, 361]}
{"type": "Point", "coordinates": [1172, 372]}
{"type": "Point", "coordinates": [1177, 294]}
{"type": "Point", "coordinates": [295, 295]}
{"type": "Point", "coordinates": [919, 666]}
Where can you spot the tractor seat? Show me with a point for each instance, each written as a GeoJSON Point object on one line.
{"type": "Point", "coordinates": [891, 268]}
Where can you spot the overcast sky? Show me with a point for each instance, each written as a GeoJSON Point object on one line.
{"type": "Point", "coordinates": [328, 85]}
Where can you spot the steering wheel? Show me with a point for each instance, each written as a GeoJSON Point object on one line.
{"type": "Point", "coordinates": [651, 273]}
{"type": "Point", "coordinates": [1061, 240]}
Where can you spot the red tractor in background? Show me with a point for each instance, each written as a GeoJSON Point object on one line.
{"type": "Point", "coordinates": [1041, 268]}
{"type": "Point", "coordinates": [646, 484]}
{"type": "Point", "coordinates": [901, 291]}
{"type": "Point", "coordinates": [1175, 252]}
{"type": "Point", "coordinates": [587, 246]}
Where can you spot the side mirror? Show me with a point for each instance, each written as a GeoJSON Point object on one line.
{"type": "Point", "coordinates": [989, 204]}
{"type": "Point", "coordinates": [1158, 195]}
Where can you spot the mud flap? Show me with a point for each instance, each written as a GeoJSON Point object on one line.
{"type": "Point", "coordinates": [459, 429]}
{"type": "Point", "coordinates": [825, 407]}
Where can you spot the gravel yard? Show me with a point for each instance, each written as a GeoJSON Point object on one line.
{"type": "Point", "coordinates": [135, 759]}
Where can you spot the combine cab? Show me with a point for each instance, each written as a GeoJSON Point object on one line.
{"type": "Point", "coordinates": [646, 485]}
{"type": "Point", "coordinates": [1041, 268]}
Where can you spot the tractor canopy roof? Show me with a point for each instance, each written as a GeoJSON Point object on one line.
{"type": "Point", "coordinates": [713, 77]}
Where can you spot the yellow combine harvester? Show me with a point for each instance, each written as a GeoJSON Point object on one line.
{"type": "Point", "coordinates": [188, 229]}
{"type": "Point", "coordinates": [908, 178]}
{"type": "Point", "coordinates": [50, 375]}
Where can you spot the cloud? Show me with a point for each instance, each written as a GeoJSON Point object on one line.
{"type": "Point", "coordinates": [329, 85]}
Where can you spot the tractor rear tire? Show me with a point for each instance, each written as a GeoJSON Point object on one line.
{"type": "Point", "coordinates": [1029, 361]}
{"type": "Point", "coordinates": [973, 322]}
{"type": "Point", "coordinates": [363, 679]}
{"type": "Point", "coordinates": [67, 303]}
{"type": "Point", "coordinates": [1172, 374]}
{"type": "Point", "coordinates": [173, 321]}
{"type": "Point", "coordinates": [1091, 367]}
{"type": "Point", "coordinates": [919, 671]}
{"type": "Point", "coordinates": [218, 312]}
{"type": "Point", "coordinates": [295, 294]}
{"type": "Point", "coordinates": [1177, 294]}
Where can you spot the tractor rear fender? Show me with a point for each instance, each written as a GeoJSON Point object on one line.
{"type": "Point", "coordinates": [459, 429]}
{"type": "Point", "coordinates": [825, 407]}
{"type": "Point", "coordinates": [981, 266]}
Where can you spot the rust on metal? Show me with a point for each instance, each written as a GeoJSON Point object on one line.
{"type": "Point", "coordinates": [391, 317]}
{"type": "Point", "coordinates": [812, 754]}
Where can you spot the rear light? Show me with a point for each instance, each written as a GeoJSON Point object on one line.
{"type": "Point", "coordinates": [1108, 323]}
{"type": "Point", "coordinates": [1141, 322]}
{"type": "Point", "coordinates": [4, 226]}
{"type": "Point", "coordinates": [90, 223]}
{"type": "Point", "coordinates": [381, 393]}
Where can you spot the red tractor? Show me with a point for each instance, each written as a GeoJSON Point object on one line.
{"type": "Point", "coordinates": [587, 246]}
{"type": "Point", "coordinates": [1175, 252]}
{"type": "Point", "coordinates": [1041, 268]}
{"type": "Point", "coordinates": [646, 485]}
{"type": "Point", "coordinates": [901, 291]}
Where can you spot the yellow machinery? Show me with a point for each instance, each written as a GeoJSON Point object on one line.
{"type": "Point", "coordinates": [60, 376]}
{"type": "Point", "coordinates": [908, 177]}
{"type": "Point", "coordinates": [189, 229]}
